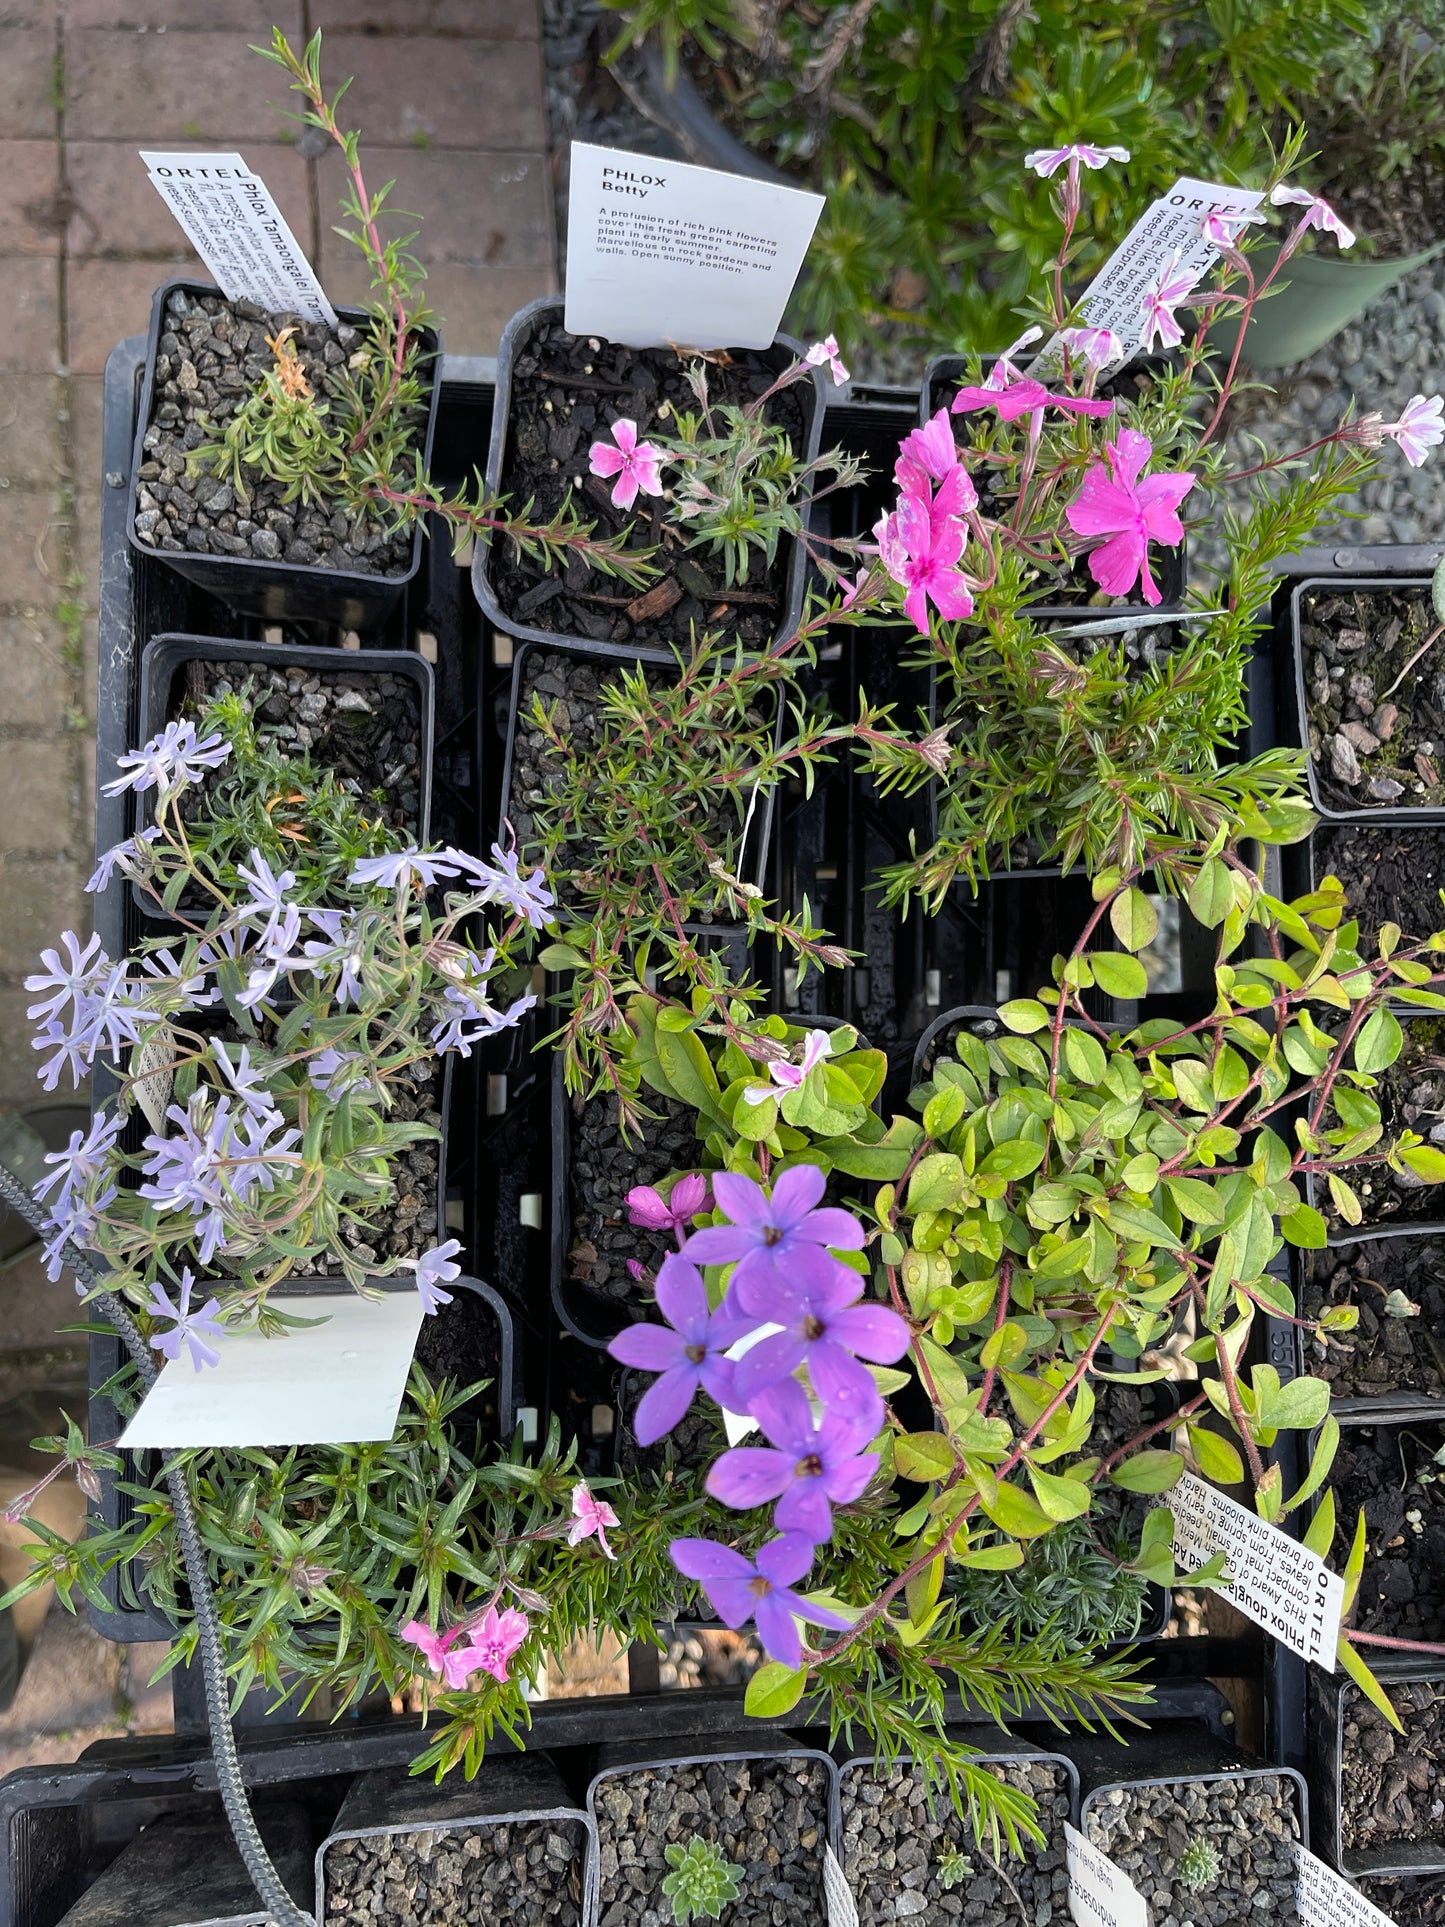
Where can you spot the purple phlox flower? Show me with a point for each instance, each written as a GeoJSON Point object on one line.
{"type": "Point", "coordinates": [266, 890]}
{"type": "Point", "coordinates": [434, 1269]}
{"type": "Point", "coordinates": [1046, 161]}
{"type": "Point", "coordinates": [192, 1328]}
{"type": "Point", "coordinates": [244, 1080]}
{"type": "Point", "coordinates": [187, 984]}
{"type": "Point", "coordinates": [927, 454]}
{"type": "Point", "coordinates": [828, 1331]}
{"type": "Point", "coordinates": [921, 549]}
{"type": "Point", "coordinates": [688, 1355]}
{"type": "Point", "coordinates": [72, 1053]}
{"type": "Point", "coordinates": [647, 1206]}
{"type": "Point", "coordinates": [807, 1469]}
{"type": "Point", "coordinates": [776, 1241]}
{"type": "Point", "coordinates": [590, 1515]}
{"type": "Point", "coordinates": [214, 1164]}
{"type": "Point", "coordinates": [634, 463]}
{"type": "Point", "coordinates": [502, 882]}
{"type": "Point", "coordinates": [1318, 214]}
{"type": "Point", "coordinates": [1131, 512]}
{"type": "Point", "coordinates": [83, 1160]}
{"type": "Point", "coordinates": [171, 758]}
{"type": "Point", "coordinates": [759, 1589]}
{"type": "Point", "coordinates": [473, 1019]}
{"type": "Point", "coordinates": [791, 1077]}
{"type": "Point", "coordinates": [825, 352]}
{"type": "Point", "coordinates": [1095, 347]}
{"type": "Point", "coordinates": [1419, 429]}
{"type": "Point", "coordinates": [77, 980]}
{"type": "Point", "coordinates": [338, 1071]}
{"type": "Point", "coordinates": [1163, 295]}
{"type": "Point", "coordinates": [102, 1002]}
{"type": "Point", "coordinates": [342, 930]}
{"type": "Point", "coordinates": [123, 856]}
{"type": "Point", "coordinates": [401, 867]}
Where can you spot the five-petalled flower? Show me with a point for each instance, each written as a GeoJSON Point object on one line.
{"type": "Point", "coordinates": [774, 1242]}
{"type": "Point", "coordinates": [1163, 295]}
{"type": "Point", "coordinates": [590, 1515]}
{"type": "Point", "coordinates": [1046, 161]}
{"type": "Point", "coordinates": [1318, 214]}
{"type": "Point", "coordinates": [791, 1077]}
{"type": "Point", "coordinates": [825, 353]}
{"type": "Point", "coordinates": [688, 1355]}
{"type": "Point", "coordinates": [434, 1269]}
{"type": "Point", "coordinates": [1131, 511]}
{"type": "Point", "coordinates": [808, 1469]}
{"type": "Point", "coordinates": [191, 1328]}
{"type": "Point", "coordinates": [759, 1589]}
{"type": "Point", "coordinates": [1419, 429]}
{"type": "Point", "coordinates": [634, 463]}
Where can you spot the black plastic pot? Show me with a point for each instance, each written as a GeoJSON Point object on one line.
{"type": "Point", "coordinates": [162, 658]}
{"type": "Point", "coordinates": [1290, 673]}
{"type": "Point", "coordinates": [510, 1789]}
{"type": "Point", "coordinates": [614, 1761]}
{"type": "Point", "coordinates": [514, 336]}
{"type": "Point", "coordinates": [977, 1014]}
{"type": "Point", "coordinates": [1343, 1235]}
{"type": "Point", "coordinates": [278, 590]}
{"type": "Point", "coordinates": [183, 1870]}
{"type": "Point", "coordinates": [1326, 1755]}
{"type": "Point", "coordinates": [1364, 1408]}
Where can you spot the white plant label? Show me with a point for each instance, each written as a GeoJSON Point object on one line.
{"type": "Point", "coordinates": [1115, 298]}
{"type": "Point", "coordinates": [837, 1894]}
{"type": "Point", "coordinates": [1273, 1579]}
{"type": "Point", "coordinates": [152, 1065]}
{"type": "Point", "coordinates": [660, 253]}
{"type": "Point", "coordinates": [737, 1425]}
{"type": "Point", "coordinates": [239, 232]}
{"type": "Point", "coordinates": [1099, 1894]}
{"type": "Point", "coordinates": [1326, 1899]}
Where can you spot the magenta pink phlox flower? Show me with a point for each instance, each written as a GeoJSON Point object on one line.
{"type": "Point", "coordinates": [432, 1646]}
{"type": "Point", "coordinates": [927, 454]}
{"type": "Point", "coordinates": [826, 351]}
{"type": "Point", "coordinates": [791, 1077]}
{"type": "Point", "coordinates": [921, 547]}
{"type": "Point", "coordinates": [690, 1354]}
{"type": "Point", "coordinates": [490, 1647]}
{"type": "Point", "coordinates": [634, 463]}
{"type": "Point", "coordinates": [1318, 213]}
{"type": "Point", "coordinates": [1419, 429]}
{"type": "Point", "coordinates": [1161, 298]}
{"type": "Point", "coordinates": [759, 1589]}
{"type": "Point", "coordinates": [1095, 347]}
{"type": "Point", "coordinates": [1046, 161]}
{"type": "Point", "coordinates": [1026, 397]}
{"type": "Point", "coordinates": [1130, 511]}
{"type": "Point", "coordinates": [590, 1515]}
{"type": "Point", "coordinates": [647, 1206]}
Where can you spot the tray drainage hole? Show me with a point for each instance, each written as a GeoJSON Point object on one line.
{"type": "Point", "coordinates": [502, 651]}
{"type": "Point", "coordinates": [603, 1418]}
{"type": "Point", "coordinates": [426, 644]}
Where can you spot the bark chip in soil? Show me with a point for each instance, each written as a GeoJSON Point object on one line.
{"type": "Point", "coordinates": [1392, 1785]}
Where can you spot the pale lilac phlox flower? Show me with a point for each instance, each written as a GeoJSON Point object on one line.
{"type": "Point", "coordinates": [809, 1469]}
{"type": "Point", "coordinates": [589, 1516]}
{"type": "Point", "coordinates": [343, 933]}
{"type": "Point", "coordinates": [244, 1079]}
{"type": "Point", "coordinates": [172, 757]}
{"type": "Point", "coordinates": [787, 1076]}
{"type": "Point", "coordinates": [1046, 161]}
{"type": "Point", "coordinates": [1419, 429]}
{"type": "Point", "coordinates": [828, 1331]}
{"type": "Point", "coordinates": [776, 1241]}
{"type": "Point", "coordinates": [401, 867]}
{"type": "Point", "coordinates": [82, 1159]}
{"type": "Point", "coordinates": [1169, 287]}
{"type": "Point", "coordinates": [266, 890]}
{"type": "Point", "coordinates": [191, 1328]}
{"type": "Point", "coordinates": [122, 856]}
{"type": "Point", "coordinates": [1318, 214]}
{"type": "Point", "coordinates": [826, 351]}
{"type": "Point", "coordinates": [434, 1269]}
{"type": "Point", "coordinates": [759, 1589]}
{"type": "Point", "coordinates": [335, 1072]}
{"type": "Point", "coordinates": [1116, 502]}
{"type": "Point", "coordinates": [501, 881]}
{"type": "Point", "coordinates": [634, 463]}
{"type": "Point", "coordinates": [647, 1207]}
{"type": "Point", "coordinates": [181, 982]}
{"type": "Point", "coordinates": [473, 1019]}
{"type": "Point", "coordinates": [76, 980]}
{"type": "Point", "coordinates": [686, 1356]}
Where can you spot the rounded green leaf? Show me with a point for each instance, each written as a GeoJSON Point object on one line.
{"type": "Point", "coordinates": [1118, 975]}
{"type": "Point", "coordinates": [1211, 895]}
{"type": "Point", "coordinates": [1306, 1228]}
{"type": "Point", "coordinates": [1134, 918]}
{"type": "Point", "coordinates": [1379, 1041]}
{"type": "Point", "coordinates": [1215, 1457]}
{"type": "Point", "coordinates": [1085, 1056]}
{"type": "Point", "coordinates": [774, 1689]}
{"type": "Point", "coordinates": [1149, 1471]}
{"type": "Point", "coordinates": [1023, 1014]}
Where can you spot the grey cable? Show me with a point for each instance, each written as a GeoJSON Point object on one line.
{"type": "Point", "coordinates": [252, 1848]}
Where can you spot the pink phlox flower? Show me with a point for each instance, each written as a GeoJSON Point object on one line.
{"type": "Point", "coordinates": [1129, 511]}
{"type": "Point", "coordinates": [647, 1206]}
{"type": "Point", "coordinates": [926, 454]}
{"type": "Point", "coordinates": [788, 1076]}
{"type": "Point", "coordinates": [921, 546]}
{"type": "Point", "coordinates": [1005, 369]}
{"type": "Point", "coordinates": [1161, 298]}
{"type": "Point", "coordinates": [590, 1515]}
{"type": "Point", "coordinates": [634, 463]}
{"type": "Point", "coordinates": [432, 1646]}
{"type": "Point", "coordinates": [1419, 429]}
{"type": "Point", "coordinates": [1095, 347]}
{"type": "Point", "coordinates": [1318, 214]}
{"type": "Point", "coordinates": [1218, 228]}
{"type": "Point", "coordinates": [826, 351]}
{"type": "Point", "coordinates": [490, 1647]}
{"type": "Point", "coordinates": [1026, 397]}
{"type": "Point", "coordinates": [1046, 161]}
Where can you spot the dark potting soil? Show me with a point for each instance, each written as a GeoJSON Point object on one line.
{"type": "Point", "coordinates": [497, 1875]}
{"type": "Point", "coordinates": [604, 1168]}
{"type": "Point", "coordinates": [1374, 746]}
{"type": "Point", "coordinates": [895, 1830]}
{"type": "Point", "coordinates": [1390, 1470]}
{"type": "Point", "coordinates": [571, 688]}
{"type": "Point", "coordinates": [1392, 1785]}
{"type": "Point", "coordinates": [1411, 1095]}
{"type": "Point", "coordinates": [1383, 1353]}
{"type": "Point", "coordinates": [1403, 214]}
{"type": "Point", "coordinates": [463, 1344]}
{"type": "Point", "coordinates": [1391, 874]}
{"type": "Point", "coordinates": [1417, 1901]}
{"type": "Point", "coordinates": [1252, 1824]}
{"type": "Point", "coordinates": [768, 1816]}
{"type": "Point", "coordinates": [567, 391]}
{"type": "Point", "coordinates": [212, 353]}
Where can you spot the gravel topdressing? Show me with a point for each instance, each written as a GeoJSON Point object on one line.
{"type": "Point", "coordinates": [1252, 1824]}
{"type": "Point", "coordinates": [493, 1876]}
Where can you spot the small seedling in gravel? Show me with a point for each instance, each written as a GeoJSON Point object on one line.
{"type": "Point", "coordinates": [1199, 1863]}
{"type": "Point", "coordinates": [954, 1867]}
{"type": "Point", "coordinates": [702, 1882]}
